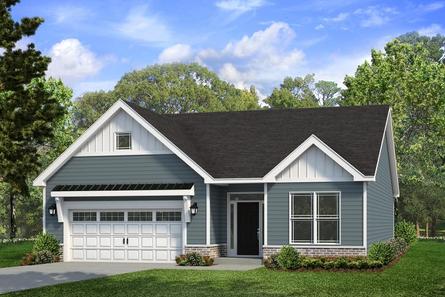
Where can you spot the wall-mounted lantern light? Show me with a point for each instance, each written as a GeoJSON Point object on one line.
{"type": "Point", "coordinates": [52, 210]}
{"type": "Point", "coordinates": [194, 209]}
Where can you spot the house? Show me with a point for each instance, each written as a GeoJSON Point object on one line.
{"type": "Point", "coordinates": [144, 187]}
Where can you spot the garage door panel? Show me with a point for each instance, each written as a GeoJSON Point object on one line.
{"type": "Point", "coordinates": [91, 241]}
{"type": "Point", "coordinates": [132, 229]}
{"type": "Point", "coordinates": [120, 241]}
{"type": "Point", "coordinates": [119, 229]}
{"type": "Point", "coordinates": [91, 228]}
{"type": "Point", "coordinates": [78, 229]}
{"type": "Point", "coordinates": [105, 229]}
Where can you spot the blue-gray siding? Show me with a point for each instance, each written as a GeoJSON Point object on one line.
{"type": "Point", "coordinates": [381, 201]}
{"type": "Point", "coordinates": [130, 169]}
{"type": "Point", "coordinates": [351, 210]}
{"type": "Point", "coordinates": [218, 214]}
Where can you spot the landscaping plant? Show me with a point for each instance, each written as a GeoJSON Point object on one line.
{"type": "Point", "coordinates": [194, 259]}
{"type": "Point", "coordinates": [288, 258]}
{"type": "Point", "coordinates": [382, 251]}
{"type": "Point", "coordinates": [46, 242]}
{"type": "Point", "coordinates": [405, 230]}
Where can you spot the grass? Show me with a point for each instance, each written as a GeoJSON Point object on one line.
{"type": "Point", "coordinates": [419, 273]}
{"type": "Point", "coordinates": [12, 253]}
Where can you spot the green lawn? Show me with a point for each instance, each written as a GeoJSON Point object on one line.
{"type": "Point", "coordinates": [12, 253]}
{"type": "Point", "coordinates": [421, 272]}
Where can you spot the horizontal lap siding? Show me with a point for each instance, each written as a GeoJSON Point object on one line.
{"type": "Point", "coordinates": [130, 169]}
{"type": "Point", "coordinates": [218, 214]}
{"type": "Point", "coordinates": [351, 210]}
{"type": "Point", "coordinates": [381, 202]}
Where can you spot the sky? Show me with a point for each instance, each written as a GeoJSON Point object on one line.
{"type": "Point", "coordinates": [92, 44]}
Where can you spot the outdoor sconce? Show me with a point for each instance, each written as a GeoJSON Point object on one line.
{"type": "Point", "coordinates": [52, 210]}
{"type": "Point", "coordinates": [194, 209]}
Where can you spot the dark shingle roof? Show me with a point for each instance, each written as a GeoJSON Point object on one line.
{"type": "Point", "coordinates": [249, 144]}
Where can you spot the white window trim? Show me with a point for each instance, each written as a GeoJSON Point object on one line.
{"type": "Point", "coordinates": [116, 135]}
{"type": "Point", "coordinates": [315, 223]}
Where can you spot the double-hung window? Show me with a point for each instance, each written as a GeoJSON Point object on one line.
{"type": "Point", "coordinates": [315, 218]}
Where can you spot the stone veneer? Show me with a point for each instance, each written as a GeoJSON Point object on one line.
{"type": "Point", "coordinates": [214, 250]}
{"type": "Point", "coordinates": [318, 251]}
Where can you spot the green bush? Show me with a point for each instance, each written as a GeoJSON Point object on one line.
{"type": "Point", "coordinates": [341, 262]}
{"type": "Point", "coordinates": [382, 251]}
{"type": "Point", "coordinates": [288, 258]}
{"type": "Point", "coordinates": [405, 230]}
{"type": "Point", "coordinates": [44, 257]}
{"type": "Point", "coordinates": [272, 262]}
{"type": "Point", "coordinates": [399, 246]}
{"type": "Point", "coordinates": [46, 242]}
{"type": "Point", "coordinates": [194, 259]}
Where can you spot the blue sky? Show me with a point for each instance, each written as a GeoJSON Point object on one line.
{"type": "Point", "coordinates": [93, 43]}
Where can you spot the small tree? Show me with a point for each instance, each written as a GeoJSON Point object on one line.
{"type": "Point", "coordinates": [27, 109]}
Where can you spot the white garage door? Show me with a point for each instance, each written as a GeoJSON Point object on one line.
{"type": "Point", "coordinates": [126, 236]}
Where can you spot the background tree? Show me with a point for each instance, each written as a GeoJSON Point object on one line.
{"type": "Point", "coordinates": [413, 84]}
{"type": "Point", "coordinates": [168, 88]}
{"type": "Point", "coordinates": [434, 45]}
{"type": "Point", "coordinates": [301, 92]}
{"type": "Point", "coordinates": [27, 108]}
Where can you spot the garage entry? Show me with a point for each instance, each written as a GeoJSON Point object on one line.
{"type": "Point", "coordinates": [125, 235]}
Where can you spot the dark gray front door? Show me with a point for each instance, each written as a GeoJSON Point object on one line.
{"type": "Point", "coordinates": [248, 224]}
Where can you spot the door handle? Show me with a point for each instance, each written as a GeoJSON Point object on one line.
{"type": "Point", "coordinates": [127, 240]}
{"type": "Point", "coordinates": [123, 240]}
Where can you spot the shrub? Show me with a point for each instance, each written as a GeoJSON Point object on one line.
{"type": "Point", "coordinates": [341, 262]}
{"type": "Point", "coordinates": [181, 260]}
{"type": "Point", "coordinates": [272, 262]}
{"type": "Point", "coordinates": [405, 230]}
{"type": "Point", "coordinates": [399, 246]}
{"type": "Point", "coordinates": [43, 257]}
{"type": "Point", "coordinates": [382, 251]}
{"type": "Point", "coordinates": [288, 258]}
{"type": "Point", "coordinates": [28, 259]}
{"type": "Point", "coordinates": [194, 259]}
{"type": "Point", "coordinates": [208, 261]}
{"type": "Point", "coordinates": [46, 242]}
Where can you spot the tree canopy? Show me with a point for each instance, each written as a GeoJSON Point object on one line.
{"type": "Point", "coordinates": [27, 108]}
{"type": "Point", "coordinates": [413, 84]}
{"type": "Point", "coordinates": [169, 88]}
{"type": "Point", "coordinates": [304, 92]}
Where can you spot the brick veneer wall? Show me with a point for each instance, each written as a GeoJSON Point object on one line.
{"type": "Point", "coordinates": [217, 250]}
{"type": "Point", "coordinates": [319, 251]}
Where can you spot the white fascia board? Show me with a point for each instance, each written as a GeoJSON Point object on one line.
{"type": "Point", "coordinates": [389, 135]}
{"type": "Point", "coordinates": [146, 193]}
{"type": "Point", "coordinates": [73, 148]}
{"type": "Point", "coordinates": [314, 140]}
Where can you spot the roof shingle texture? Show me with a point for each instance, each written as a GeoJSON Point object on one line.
{"type": "Point", "coordinates": [249, 144]}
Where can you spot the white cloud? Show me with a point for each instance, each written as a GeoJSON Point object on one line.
{"type": "Point", "coordinates": [71, 14]}
{"type": "Point", "coordinates": [433, 6]}
{"type": "Point", "coordinates": [319, 27]}
{"type": "Point", "coordinates": [239, 6]}
{"type": "Point", "coordinates": [262, 59]}
{"type": "Point", "coordinates": [141, 25]}
{"type": "Point", "coordinates": [338, 18]}
{"type": "Point", "coordinates": [431, 30]}
{"type": "Point", "coordinates": [373, 16]}
{"type": "Point", "coordinates": [71, 61]}
{"type": "Point", "coordinates": [176, 53]}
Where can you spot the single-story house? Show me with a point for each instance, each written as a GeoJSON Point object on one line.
{"type": "Point", "coordinates": [139, 186]}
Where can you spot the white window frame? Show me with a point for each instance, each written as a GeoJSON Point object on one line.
{"type": "Point", "coordinates": [315, 218]}
{"type": "Point", "coordinates": [116, 135]}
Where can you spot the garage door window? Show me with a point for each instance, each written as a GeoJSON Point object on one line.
{"type": "Point", "coordinates": [112, 216]}
{"type": "Point", "coordinates": [168, 216]}
{"type": "Point", "coordinates": [84, 216]}
{"type": "Point", "coordinates": [140, 216]}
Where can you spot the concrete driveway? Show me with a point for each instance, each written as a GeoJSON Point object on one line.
{"type": "Point", "coordinates": [28, 277]}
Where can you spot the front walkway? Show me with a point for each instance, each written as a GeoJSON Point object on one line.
{"type": "Point", "coordinates": [28, 277]}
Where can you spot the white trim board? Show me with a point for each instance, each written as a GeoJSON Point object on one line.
{"type": "Point", "coordinates": [146, 193]}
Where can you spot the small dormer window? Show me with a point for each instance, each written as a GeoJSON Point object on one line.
{"type": "Point", "coordinates": [123, 141]}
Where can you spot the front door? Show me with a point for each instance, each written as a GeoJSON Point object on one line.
{"type": "Point", "coordinates": [248, 228]}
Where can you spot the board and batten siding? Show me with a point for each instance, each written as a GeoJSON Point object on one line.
{"type": "Point", "coordinates": [381, 201]}
{"type": "Point", "coordinates": [103, 141]}
{"type": "Point", "coordinates": [130, 169]}
{"type": "Point", "coordinates": [351, 210]}
{"type": "Point", "coordinates": [312, 165]}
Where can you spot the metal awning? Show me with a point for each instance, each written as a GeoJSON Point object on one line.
{"type": "Point", "coordinates": [117, 190]}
